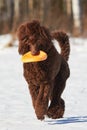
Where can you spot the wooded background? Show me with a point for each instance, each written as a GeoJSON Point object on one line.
{"type": "Point", "coordinates": [57, 14]}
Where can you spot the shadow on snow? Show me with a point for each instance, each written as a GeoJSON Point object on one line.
{"type": "Point", "coordinates": [68, 120]}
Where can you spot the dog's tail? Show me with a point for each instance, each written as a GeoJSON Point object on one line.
{"type": "Point", "coordinates": [63, 41]}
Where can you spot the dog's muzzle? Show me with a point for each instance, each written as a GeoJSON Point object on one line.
{"type": "Point", "coordinates": [34, 50]}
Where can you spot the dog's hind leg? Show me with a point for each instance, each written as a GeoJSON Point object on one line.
{"type": "Point", "coordinates": [57, 106]}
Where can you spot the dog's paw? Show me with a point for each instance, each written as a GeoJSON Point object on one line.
{"type": "Point", "coordinates": [40, 111]}
{"type": "Point", "coordinates": [55, 112]}
{"type": "Point", "coordinates": [40, 117]}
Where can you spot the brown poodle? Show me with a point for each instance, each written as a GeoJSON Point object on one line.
{"type": "Point", "coordinates": [46, 79]}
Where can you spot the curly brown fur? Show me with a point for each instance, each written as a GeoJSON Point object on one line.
{"type": "Point", "coordinates": [46, 79]}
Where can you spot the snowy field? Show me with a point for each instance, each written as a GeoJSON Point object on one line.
{"type": "Point", "coordinates": [16, 112]}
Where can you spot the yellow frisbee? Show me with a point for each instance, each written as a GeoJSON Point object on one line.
{"type": "Point", "coordinates": [28, 57]}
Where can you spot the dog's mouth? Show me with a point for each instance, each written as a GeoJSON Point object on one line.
{"type": "Point", "coordinates": [35, 52]}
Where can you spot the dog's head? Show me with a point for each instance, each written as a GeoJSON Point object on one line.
{"type": "Point", "coordinates": [33, 37]}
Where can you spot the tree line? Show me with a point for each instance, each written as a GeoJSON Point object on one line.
{"type": "Point", "coordinates": [55, 13]}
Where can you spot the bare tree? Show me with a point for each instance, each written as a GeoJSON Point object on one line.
{"type": "Point", "coordinates": [4, 17]}
{"type": "Point", "coordinates": [77, 16]}
{"type": "Point", "coordinates": [16, 14]}
{"type": "Point", "coordinates": [31, 8]}
{"type": "Point", "coordinates": [42, 10]}
{"type": "Point", "coordinates": [15, 19]}
{"type": "Point", "coordinates": [68, 7]}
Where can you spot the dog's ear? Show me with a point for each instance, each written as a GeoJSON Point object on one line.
{"type": "Point", "coordinates": [21, 31]}
{"type": "Point", "coordinates": [44, 32]}
{"type": "Point", "coordinates": [21, 34]}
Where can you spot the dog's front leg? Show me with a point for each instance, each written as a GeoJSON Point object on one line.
{"type": "Point", "coordinates": [42, 100]}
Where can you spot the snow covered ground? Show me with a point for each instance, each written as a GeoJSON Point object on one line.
{"type": "Point", "coordinates": [16, 111]}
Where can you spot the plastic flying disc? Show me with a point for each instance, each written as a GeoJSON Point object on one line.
{"type": "Point", "coordinates": [28, 57]}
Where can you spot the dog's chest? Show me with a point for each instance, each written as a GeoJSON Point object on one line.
{"type": "Point", "coordinates": [34, 73]}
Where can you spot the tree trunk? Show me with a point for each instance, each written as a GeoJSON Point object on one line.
{"type": "Point", "coordinates": [16, 15]}
{"type": "Point", "coordinates": [68, 7]}
{"type": "Point", "coordinates": [15, 21]}
{"type": "Point", "coordinates": [31, 9]}
{"type": "Point", "coordinates": [42, 6]}
{"type": "Point", "coordinates": [76, 16]}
